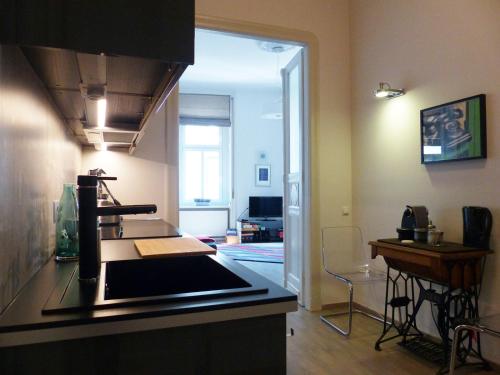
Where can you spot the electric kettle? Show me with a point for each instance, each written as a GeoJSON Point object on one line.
{"type": "Point", "coordinates": [477, 226]}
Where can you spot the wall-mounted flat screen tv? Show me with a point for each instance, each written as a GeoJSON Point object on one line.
{"type": "Point", "coordinates": [264, 207]}
{"type": "Point", "coordinates": [454, 131]}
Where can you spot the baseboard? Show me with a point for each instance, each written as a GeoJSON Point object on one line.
{"type": "Point", "coordinates": [333, 306]}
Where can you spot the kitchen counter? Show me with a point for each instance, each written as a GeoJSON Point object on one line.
{"type": "Point", "coordinates": [23, 322]}
{"type": "Point", "coordinates": [243, 334]}
{"type": "Point", "coordinates": [134, 229]}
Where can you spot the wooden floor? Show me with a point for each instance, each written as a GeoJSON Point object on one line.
{"type": "Point", "coordinates": [317, 349]}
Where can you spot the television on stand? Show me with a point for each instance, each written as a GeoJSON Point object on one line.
{"type": "Point", "coordinates": [265, 207]}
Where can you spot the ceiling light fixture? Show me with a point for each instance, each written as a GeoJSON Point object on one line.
{"type": "Point", "coordinates": [274, 47]}
{"type": "Point", "coordinates": [385, 91]}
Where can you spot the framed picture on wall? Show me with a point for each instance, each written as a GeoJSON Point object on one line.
{"type": "Point", "coordinates": [454, 131]}
{"type": "Point", "coordinates": [262, 175]}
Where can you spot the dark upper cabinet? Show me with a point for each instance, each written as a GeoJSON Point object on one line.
{"type": "Point", "coordinates": [136, 50]}
{"type": "Point", "coordinates": [155, 29]}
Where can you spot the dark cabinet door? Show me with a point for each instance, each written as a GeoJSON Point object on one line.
{"type": "Point", "coordinates": [157, 29]}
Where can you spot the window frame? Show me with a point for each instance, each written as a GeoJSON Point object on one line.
{"type": "Point", "coordinates": [224, 148]}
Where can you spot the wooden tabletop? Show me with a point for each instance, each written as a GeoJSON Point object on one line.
{"type": "Point", "coordinates": [433, 263]}
{"type": "Point", "coordinates": [447, 250]}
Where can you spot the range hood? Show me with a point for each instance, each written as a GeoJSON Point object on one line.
{"type": "Point", "coordinates": [134, 88]}
{"type": "Point", "coordinates": [132, 53]}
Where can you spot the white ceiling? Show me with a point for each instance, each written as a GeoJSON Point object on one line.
{"type": "Point", "coordinates": [223, 59]}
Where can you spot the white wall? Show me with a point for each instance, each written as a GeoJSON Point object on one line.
{"type": "Point", "coordinates": [252, 136]}
{"type": "Point", "coordinates": [438, 51]}
{"type": "Point", "coordinates": [150, 174]}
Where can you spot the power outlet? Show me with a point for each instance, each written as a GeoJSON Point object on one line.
{"type": "Point", "coordinates": [55, 206]}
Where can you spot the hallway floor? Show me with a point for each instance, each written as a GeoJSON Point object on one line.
{"type": "Point", "coordinates": [317, 349]}
{"type": "Point", "coordinates": [271, 271]}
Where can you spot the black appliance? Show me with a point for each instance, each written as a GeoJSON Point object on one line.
{"type": "Point", "coordinates": [413, 217]}
{"type": "Point", "coordinates": [264, 207]}
{"type": "Point", "coordinates": [477, 226]}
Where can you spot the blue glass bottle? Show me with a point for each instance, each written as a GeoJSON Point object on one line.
{"type": "Point", "coordinates": [67, 248]}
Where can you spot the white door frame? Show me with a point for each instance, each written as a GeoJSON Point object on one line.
{"type": "Point", "coordinates": [306, 182]}
{"type": "Point", "coordinates": [293, 210]}
{"type": "Point", "coordinates": [308, 42]}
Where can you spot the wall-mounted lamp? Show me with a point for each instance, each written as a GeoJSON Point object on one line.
{"type": "Point", "coordinates": [385, 91]}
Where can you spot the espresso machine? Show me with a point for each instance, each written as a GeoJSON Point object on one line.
{"type": "Point", "coordinates": [415, 218]}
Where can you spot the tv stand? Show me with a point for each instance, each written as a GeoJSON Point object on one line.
{"type": "Point", "coordinates": [260, 230]}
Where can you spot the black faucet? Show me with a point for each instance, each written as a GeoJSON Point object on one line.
{"type": "Point", "coordinates": [89, 241]}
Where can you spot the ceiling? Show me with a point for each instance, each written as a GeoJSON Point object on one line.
{"type": "Point", "coordinates": [227, 59]}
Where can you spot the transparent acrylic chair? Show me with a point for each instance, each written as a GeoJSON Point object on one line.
{"type": "Point", "coordinates": [344, 258]}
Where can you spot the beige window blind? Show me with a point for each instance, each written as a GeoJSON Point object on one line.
{"type": "Point", "coordinates": [201, 109]}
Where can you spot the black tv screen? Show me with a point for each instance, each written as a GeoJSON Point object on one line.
{"type": "Point", "coordinates": [265, 206]}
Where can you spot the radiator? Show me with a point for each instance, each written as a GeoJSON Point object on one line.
{"type": "Point", "coordinates": [204, 222]}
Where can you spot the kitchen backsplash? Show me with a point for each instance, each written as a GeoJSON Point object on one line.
{"type": "Point", "coordinates": [36, 157]}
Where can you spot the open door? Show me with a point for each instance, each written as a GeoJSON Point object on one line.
{"type": "Point", "coordinates": [293, 122]}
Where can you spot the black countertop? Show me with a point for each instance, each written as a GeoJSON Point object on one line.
{"type": "Point", "coordinates": [134, 229]}
{"type": "Point", "coordinates": [23, 322]}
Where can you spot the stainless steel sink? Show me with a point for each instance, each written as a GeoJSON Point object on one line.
{"type": "Point", "coordinates": [154, 281]}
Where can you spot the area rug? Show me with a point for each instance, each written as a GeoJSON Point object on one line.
{"type": "Point", "coordinates": [254, 252]}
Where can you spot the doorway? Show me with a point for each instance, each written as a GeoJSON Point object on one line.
{"type": "Point", "coordinates": [276, 94]}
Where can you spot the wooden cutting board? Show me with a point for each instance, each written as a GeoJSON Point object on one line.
{"type": "Point", "coordinates": [172, 247]}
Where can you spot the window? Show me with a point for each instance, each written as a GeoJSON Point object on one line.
{"type": "Point", "coordinates": [204, 165]}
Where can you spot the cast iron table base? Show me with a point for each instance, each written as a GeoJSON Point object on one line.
{"type": "Point", "coordinates": [454, 307]}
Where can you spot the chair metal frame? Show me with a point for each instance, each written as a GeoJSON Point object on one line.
{"type": "Point", "coordinates": [350, 285]}
{"type": "Point", "coordinates": [478, 328]}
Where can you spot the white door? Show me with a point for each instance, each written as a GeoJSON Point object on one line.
{"type": "Point", "coordinates": [293, 121]}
